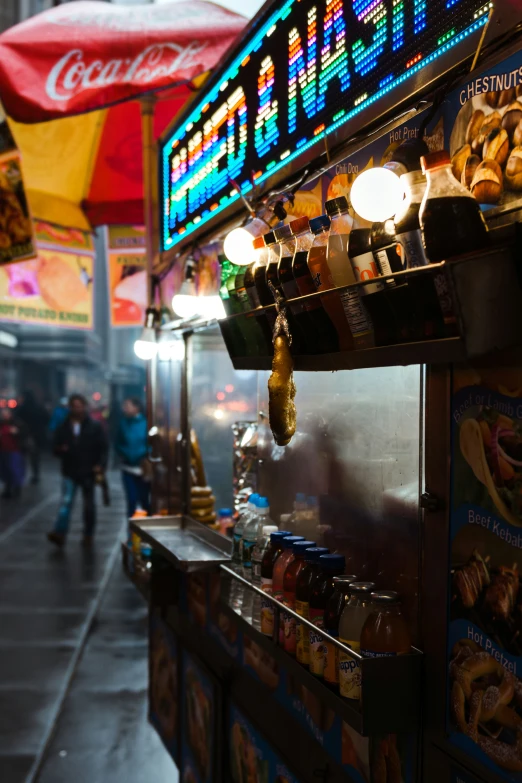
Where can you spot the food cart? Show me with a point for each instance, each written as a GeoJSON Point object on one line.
{"type": "Point", "coordinates": [411, 448]}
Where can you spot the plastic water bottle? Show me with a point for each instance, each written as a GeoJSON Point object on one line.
{"type": "Point", "coordinates": [236, 591]}
{"type": "Point", "coordinates": [251, 533]}
{"type": "Point", "coordinates": [262, 544]}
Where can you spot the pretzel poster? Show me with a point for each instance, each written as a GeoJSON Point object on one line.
{"type": "Point", "coordinates": [17, 240]}
{"type": "Point", "coordinates": [485, 632]}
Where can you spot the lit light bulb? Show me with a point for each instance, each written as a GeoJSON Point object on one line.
{"type": "Point", "coordinates": [238, 247]}
{"type": "Point", "coordinates": [210, 307]}
{"type": "Point", "coordinates": [146, 347]}
{"type": "Point", "coordinates": [185, 304]}
{"type": "Point", "coordinates": [377, 194]}
{"type": "Point", "coordinates": [171, 350]}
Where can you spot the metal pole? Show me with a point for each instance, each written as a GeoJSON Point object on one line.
{"type": "Point", "coordinates": [186, 425]}
{"type": "Point", "coordinates": [150, 186]}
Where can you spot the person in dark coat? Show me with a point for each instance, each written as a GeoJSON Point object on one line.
{"type": "Point", "coordinates": [35, 418]}
{"type": "Point", "coordinates": [131, 446]}
{"type": "Point", "coordinates": [12, 461]}
{"type": "Point", "coordinates": [81, 445]}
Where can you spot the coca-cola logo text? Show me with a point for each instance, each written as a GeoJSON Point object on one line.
{"type": "Point", "coordinates": [73, 74]}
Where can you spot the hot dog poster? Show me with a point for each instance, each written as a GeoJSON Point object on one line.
{"type": "Point", "coordinates": [56, 287]}
{"type": "Point", "coordinates": [127, 271]}
{"type": "Point", "coordinates": [484, 713]}
{"type": "Point", "coordinates": [200, 708]}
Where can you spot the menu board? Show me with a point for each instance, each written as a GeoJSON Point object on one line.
{"type": "Point", "coordinates": [200, 711]}
{"type": "Point", "coordinates": [484, 715]}
{"type": "Point", "coordinates": [303, 71]}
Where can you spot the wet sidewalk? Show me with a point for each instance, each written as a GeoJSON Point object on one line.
{"type": "Point", "coordinates": [73, 651]}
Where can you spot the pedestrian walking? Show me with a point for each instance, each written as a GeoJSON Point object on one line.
{"type": "Point", "coordinates": [59, 414]}
{"type": "Point", "coordinates": [12, 460]}
{"type": "Point", "coordinates": [81, 445]}
{"type": "Point", "coordinates": [131, 447]}
{"type": "Point", "coordinates": [35, 418]}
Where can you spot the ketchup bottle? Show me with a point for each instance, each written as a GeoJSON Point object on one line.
{"type": "Point", "coordinates": [267, 571]}
{"type": "Point", "coordinates": [304, 583]}
{"type": "Point", "coordinates": [331, 565]}
{"type": "Point", "coordinates": [289, 587]}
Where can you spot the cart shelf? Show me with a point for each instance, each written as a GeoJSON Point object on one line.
{"type": "Point", "coordinates": [188, 544]}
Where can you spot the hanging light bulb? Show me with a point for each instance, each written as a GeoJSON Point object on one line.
{"type": "Point", "coordinates": [377, 194]}
{"type": "Point", "coordinates": [238, 244]}
{"type": "Point", "coordinates": [211, 307]}
{"type": "Point", "coordinates": [171, 350]}
{"type": "Point", "coordinates": [185, 302]}
{"type": "Point", "coordinates": [146, 347]}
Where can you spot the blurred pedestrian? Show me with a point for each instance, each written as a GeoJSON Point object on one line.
{"type": "Point", "coordinates": [12, 461]}
{"type": "Point", "coordinates": [35, 418]}
{"type": "Point", "coordinates": [59, 414]}
{"type": "Point", "coordinates": [131, 446]}
{"type": "Point", "coordinates": [81, 445]}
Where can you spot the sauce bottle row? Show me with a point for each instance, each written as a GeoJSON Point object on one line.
{"type": "Point", "coordinates": [438, 219]}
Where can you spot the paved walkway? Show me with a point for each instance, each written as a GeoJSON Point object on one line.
{"type": "Point", "coordinates": [73, 648]}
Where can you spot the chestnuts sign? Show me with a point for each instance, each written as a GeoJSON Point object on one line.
{"type": "Point", "coordinates": [306, 68]}
{"type": "Point", "coordinates": [486, 139]}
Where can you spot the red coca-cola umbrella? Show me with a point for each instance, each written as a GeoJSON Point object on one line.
{"type": "Point", "coordinates": [76, 83]}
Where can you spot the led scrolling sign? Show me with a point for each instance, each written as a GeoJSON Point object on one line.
{"type": "Point", "coordinates": [308, 69]}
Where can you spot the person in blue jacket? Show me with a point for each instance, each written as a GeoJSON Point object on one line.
{"type": "Point", "coordinates": [131, 446]}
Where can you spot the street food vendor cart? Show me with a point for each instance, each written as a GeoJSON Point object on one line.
{"type": "Point", "coordinates": [401, 454]}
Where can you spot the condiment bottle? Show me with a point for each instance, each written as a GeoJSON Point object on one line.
{"type": "Point", "coordinates": [365, 268]}
{"type": "Point", "coordinates": [431, 294]}
{"type": "Point", "coordinates": [332, 616]}
{"type": "Point", "coordinates": [451, 219]}
{"type": "Point", "coordinates": [255, 302]}
{"type": "Point", "coordinates": [291, 291]}
{"type": "Point", "coordinates": [280, 566]}
{"type": "Point", "coordinates": [325, 338]}
{"type": "Point", "coordinates": [351, 623]}
{"type": "Point", "coordinates": [387, 257]}
{"type": "Point", "coordinates": [289, 587]}
{"type": "Point", "coordinates": [323, 587]}
{"type": "Point", "coordinates": [248, 324]}
{"type": "Point", "coordinates": [234, 340]}
{"type": "Point", "coordinates": [323, 280]}
{"type": "Point", "coordinates": [286, 242]}
{"type": "Point", "coordinates": [263, 291]}
{"type": "Point", "coordinates": [304, 583]}
{"type": "Point", "coordinates": [342, 272]}
{"type": "Point", "coordinates": [385, 631]}
{"type": "Point", "coordinates": [267, 572]}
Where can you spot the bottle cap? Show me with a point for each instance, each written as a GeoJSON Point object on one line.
{"type": "Point", "coordinates": [254, 497]}
{"type": "Point", "coordinates": [344, 579]}
{"type": "Point", "coordinates": [318, 224]}
{"type": "Point", "coordinates": [362, 587]}
{"type": "Point", "coordinates": [434, 160]}
{"type": "Point", "coordinates": [225, 512]}
{"type": "Point", "coordinates": [284, 518]}
{"type": "Point", "coordinates": [313, 554]}
{"type": "Point", "coordinates": [258, 243]}
{"type": "Point", "coordinates": [332, 562]}
{"type": "Point", "coordinates": [300, 547]}
{"type": "Point", "coordinates": [268, 530]}
{"type": "Point", "coordinates": [269, 239]}
{"type": "Point", "coordinates": [312, 500]}
{"type": "Point", "coordinates": [336, 205]}
{"type": "Point", "coordinates": [413, 178]}
{"type": "Point", "coordinates": [289, 541]}
{"type": "Point", "coordinates": [278, 535]}
{"type": "Point", "coordinates": [300, 497]}
{"type": "Point", "coordinates": [263, 503]}
{"type": "Point", "coordinates": [385, 597]}
{"type": "Point", "coordinates": [299, 226]}
{"type": "Point", "coordinates": [283, 233]}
